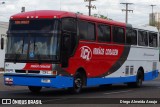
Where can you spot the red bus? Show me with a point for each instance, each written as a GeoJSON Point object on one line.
{"type": "Point", "coordinates": [59, 49]}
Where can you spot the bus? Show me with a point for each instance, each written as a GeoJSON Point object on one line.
{"type": "Point", "coordinates": [59, 49]}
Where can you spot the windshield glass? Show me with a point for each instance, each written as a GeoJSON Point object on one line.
{"type": "Point", "coordinates": [34, 46]}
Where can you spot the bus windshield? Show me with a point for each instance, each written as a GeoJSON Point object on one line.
{"type": "Point", "coordinates": [37, 45]}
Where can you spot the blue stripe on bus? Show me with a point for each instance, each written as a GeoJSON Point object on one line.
{"type": "Point", "coordinates": [151, 75]}
{"type": "Point", "coordinates": [57, 82]}
{"type": "Point", "coordinates": [117, 80]}
{"type": "Point", "coordinates": [65, 82]}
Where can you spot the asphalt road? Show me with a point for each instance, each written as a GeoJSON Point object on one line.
{"type": "Point", "coordinates": [150, 89]}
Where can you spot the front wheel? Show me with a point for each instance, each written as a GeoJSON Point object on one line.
{"type": "Point", "coordinates": [34, 89]}
{"type": "Point", "coordinates": [78, 83]}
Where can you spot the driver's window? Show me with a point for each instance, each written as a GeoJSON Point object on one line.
{"type": "Point", "coordinates": [69, 24]}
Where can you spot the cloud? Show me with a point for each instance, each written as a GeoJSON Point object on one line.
{"type": "Point", "coordinates": [110, 8]}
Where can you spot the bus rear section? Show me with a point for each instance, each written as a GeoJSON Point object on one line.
{"type": "Point", "coordinates": [57, 49]}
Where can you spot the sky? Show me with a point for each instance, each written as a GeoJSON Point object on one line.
{"type": "Point", "coordinates": [110, 8]}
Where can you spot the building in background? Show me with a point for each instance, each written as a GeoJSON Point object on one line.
{"type": "Point", "coordinates": [3, 30]}
{"type": "Point", "coordinates": [154, 19]}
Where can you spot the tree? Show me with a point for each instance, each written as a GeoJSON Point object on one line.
{"type": "Point", "coordinates": [101, 16]}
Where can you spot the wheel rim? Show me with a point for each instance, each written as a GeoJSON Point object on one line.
{"type": "Point", "coordinates": [78, 83]}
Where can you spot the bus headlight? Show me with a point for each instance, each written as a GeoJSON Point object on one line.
{"type": "Point", "coordinates": [46, 72]}
{"type": "Point", "coordinates": [9, 71]}
{"type": "Point", "coordinates": [8, 80]}
{"type": "Point", "coordinates": [49, 72]}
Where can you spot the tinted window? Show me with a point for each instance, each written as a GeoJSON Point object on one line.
{"type": "Point", "coordinates": [104, 33]}
{"type": "Point", "coordinates": [142, 38]}
{"type": "Point", "coordinates": [69, 24]}
{"type": "Point", "coordinates": [131, 37]}
{"type": "Point", "coordinates": [118, 35]}
{"type": "Point", "coordinates": [152, 39]}
{"type": "Point", "coordinates": [86, 30]}
{"type": "Point", "coordinates": [91, 31]}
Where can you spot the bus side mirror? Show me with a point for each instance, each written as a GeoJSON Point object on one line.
{"type": "Point", "coordinates": [2, 43]}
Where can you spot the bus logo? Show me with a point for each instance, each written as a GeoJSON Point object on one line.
{"type": "Point", "coordinates": [86, 53]}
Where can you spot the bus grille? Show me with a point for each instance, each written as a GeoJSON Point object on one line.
{"type": "Point", "coordinates": [26, 72]}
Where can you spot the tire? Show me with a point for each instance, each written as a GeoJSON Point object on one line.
{"type": "Point", "coordinates": [78, 83]}
{"type": "Point", "coordinates": [34, 89]}
{"type": "Point", "coordinates": [139, 80]}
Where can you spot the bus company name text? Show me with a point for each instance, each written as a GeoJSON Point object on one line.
{"type": "Point", "coordinates": [86, 52]}
{"type": "Point", "coordinates": [102, 51]}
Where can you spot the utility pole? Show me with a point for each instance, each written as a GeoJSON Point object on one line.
{"type": "Point", "coordinates": [127, 10]}
{"type": "Point", "coordinates": [23, 9]}
{"type": "Point", "coordinates": [152, 14]}
{"type": "Point", "coordinates": [2, 2]}
{"type": "Point", "coordinates": [90, 6]}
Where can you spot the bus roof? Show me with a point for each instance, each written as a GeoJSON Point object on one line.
{"type": "Point", "coordinates": [50, 14]}
{"type": "Point", "coordinates": [146, 27]}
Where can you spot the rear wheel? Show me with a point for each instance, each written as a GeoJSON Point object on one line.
{"type": "Point", "coordinates": [34, 89]}
{"type": "Point", "coordinates": [139, 80]}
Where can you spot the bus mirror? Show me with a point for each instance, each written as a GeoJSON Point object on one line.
{"type": "Point", "coordinates": [2, 43]}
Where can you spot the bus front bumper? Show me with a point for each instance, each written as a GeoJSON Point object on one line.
{"type": "Point", "coordinates": [40, 80]}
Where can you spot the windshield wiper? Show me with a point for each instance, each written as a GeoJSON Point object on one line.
{"type": "Point", "coordinates": [39, 58]}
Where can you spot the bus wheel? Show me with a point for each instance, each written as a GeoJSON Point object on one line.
{"type": "Point", "coordinates": [139, 80]}
{"type": "Point", "coordinates": [78, 82]}
{"type": "Point", "coordinates": [34, 89]}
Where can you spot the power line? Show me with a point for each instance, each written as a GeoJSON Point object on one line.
{"type": "Point", "coordinates": [127, 10]}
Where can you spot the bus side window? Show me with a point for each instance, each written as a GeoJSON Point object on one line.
{"type": "Point", "coordinates": [142, 38]}
{"type": "Point", "coordinates": [87, 31]}
{"type": "Point", "coordinates": [152, 39]}
{"type": "Point", "coordinates": [118, 35]}
{"type": "Point", "coordinates": [131, 37]}
{"type": "Point", "coordinates": [104, 33]}
{"type": "Point", "coordinates": [69, 24]}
